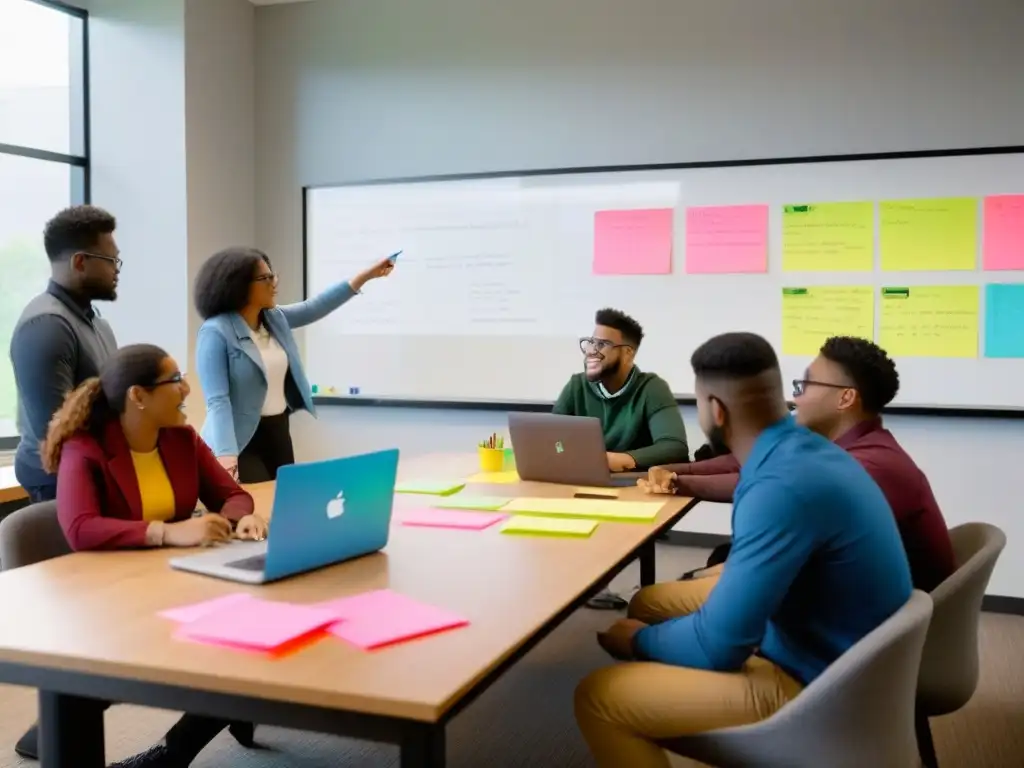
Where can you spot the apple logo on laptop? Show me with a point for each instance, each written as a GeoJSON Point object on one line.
{"type": "Point", "coordinates": [559, 448]}
{"type": "Point", "coordinates": [336, 506]}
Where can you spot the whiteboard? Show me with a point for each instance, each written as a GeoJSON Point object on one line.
{"type": "Point", "coordinates": [495, 283]}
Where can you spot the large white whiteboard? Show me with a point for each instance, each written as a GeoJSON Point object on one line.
{"type": "Point", "coordinates": [495, 286]}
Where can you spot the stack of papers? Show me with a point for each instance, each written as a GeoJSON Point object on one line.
{"type": "Point", "coordinates": [370, 620]}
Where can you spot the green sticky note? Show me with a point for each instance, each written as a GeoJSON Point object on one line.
{"type": "Point", "coordinates": [431, 487]}
{"type": "Point", "coordinates": [473, 503]}
{"type": "Point", "coordinates": [937, 234]}
{"type": "Point", "coordinates": [526, 525]}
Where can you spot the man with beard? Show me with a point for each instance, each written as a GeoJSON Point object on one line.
{"type": "Point", "coordinates": [800, 587]}
{"type": "Point", "coordinates": [639, 416]}
{"type": "Point", "coordinates": [841, 397]}
{"type": "Point", "coordinates": [60, 339]}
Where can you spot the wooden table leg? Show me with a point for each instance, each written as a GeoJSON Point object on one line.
{"type": "Point", "coordinates": [70, 731]}
{"type": "Point", "coordinates": [423, 747]}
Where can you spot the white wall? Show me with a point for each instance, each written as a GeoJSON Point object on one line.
{"type": "Point", "coordinates": [349, 89]}
{"type": "Point", "coordinates": [173, 153]}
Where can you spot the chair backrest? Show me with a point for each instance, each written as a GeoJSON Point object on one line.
{"type": "Point", "coordinates": [949, 664]}
{"type": "Point", "coordinates": [858, 712]}
{"type": "Point", "coordinates": [30, 535]}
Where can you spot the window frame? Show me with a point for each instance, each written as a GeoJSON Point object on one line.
{"type": "Point", "coordinates": [81, 193]}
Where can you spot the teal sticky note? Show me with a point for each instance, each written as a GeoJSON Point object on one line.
{"type": "Point", "coordinates": [1004, 320]}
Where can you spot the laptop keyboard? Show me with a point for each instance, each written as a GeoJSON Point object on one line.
{"type": "Point", "coordinates": [254, 563]}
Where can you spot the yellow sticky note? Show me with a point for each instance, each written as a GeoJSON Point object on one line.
{"type": "Point", "coordinates": [930, 321]}
{"type": "Point", "coordinates": [828, 237]}
{"type": "Point", "coordinates": [932, 234]}
{"type": "Point", "coordinates": [811, 315]}
{"type": "Point", "coordinates": [602, 509]}
{"type": "Point", "coordinates": [507, 476]}
{"type": "Point", "coordinates": [548, 526]}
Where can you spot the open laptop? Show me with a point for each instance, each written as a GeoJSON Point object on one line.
{"type": "Point", "coordinates": [551, 448]}
{"type": "Point", "coordinates": [324, 512]}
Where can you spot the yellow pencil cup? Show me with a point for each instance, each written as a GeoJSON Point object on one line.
{"type": "Point", "coordinates": [491, 459]}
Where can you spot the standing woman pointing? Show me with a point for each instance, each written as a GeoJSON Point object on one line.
{"type": "Point", "coordinates": [248, 362]}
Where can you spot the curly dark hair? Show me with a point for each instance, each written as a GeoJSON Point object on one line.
{"type": "Point", "coordinates": [103, 397]}
{"type": "Point", "coordinates": [75, 229]}
{"type": "Point", "coordinates": [631, 330]}
{"type": "Point", "coordinates": [872, 371]}
{"type": "Point", "coordinates": [222, 284]}
{"type": "Point", "coordinates": [733, 356]}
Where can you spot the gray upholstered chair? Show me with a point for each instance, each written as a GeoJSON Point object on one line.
{"type": "Point", "coordinates": [949, 663]}
{"type": "Point", "coordinates": [859, 712]}
{"type": "Point", "coordinates": [31, 535]}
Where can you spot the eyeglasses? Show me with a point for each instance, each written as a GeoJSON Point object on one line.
{"type": "Point", "coordinates": [176, 378]}
{"type": "Point", "coordinates": [103, 257]}
{"type": "Point", "coordinates": [800, 386]}
{"type": "Point", "coordinates": [590, 345]}
{"type": "Point", "coordinates": [269, 277]}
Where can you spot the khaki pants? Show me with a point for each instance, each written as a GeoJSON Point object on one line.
{"type": "Point", "coordinates": [624, 710]}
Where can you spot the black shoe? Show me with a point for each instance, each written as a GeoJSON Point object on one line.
{"type": "Point", "coordinates": [607, 601]}
{"type": "Point", "coordinates": [244, 733]}
{"type": "Point", "coordinates": [28, 745]}
{"type": "Point", "coordinates": [154, 757]}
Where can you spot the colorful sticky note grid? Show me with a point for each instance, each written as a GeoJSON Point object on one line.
{"type": "Point", "coordinates": [602, 509]}
{"type": "Point", "coordinates": [1003, 232]}
{"type": "Point", "coordinates": [930, 321]}
{"type": "Point", "coordinates": [430, 487]}
{"type": "Point", "coordinates": [828, 237]}
{"type": "Point", "coordinates": [1004, 320]}
{"type": "Point", "coordinates": [256, 624]}
{"type": "Point", "coordinates": [811, 315]}
{"type": "Point", "coordinates": [503, 477]}
{"type": "Point", "coordinates": [195, 611]}
{"type": "Point", "coordinates": [471, 502]}
{"type": "Point", "coordinates": [936, 234]}
{"type": "Point", "coordinates": [449, 518]}
{"type": "Point", "coordinates": [633, 242]}
{"type": "Point", "coordinates": [527, 525]}
{"type": "Point", "coordinates": [727, 239]}
{"type": "Point", "coordinates": [382, 617]}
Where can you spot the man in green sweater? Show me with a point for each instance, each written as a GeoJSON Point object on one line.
{"type": "Point", "coordinates": [639, 416]}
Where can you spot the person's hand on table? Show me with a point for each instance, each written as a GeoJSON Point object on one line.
{"type": "Point", "coordinates": [204, 530]}
{"type": "Point", "coordinates": [620, 462]}
{"type": "Point", "coordinates": [251, 527]}
{"type": "Point", "coordinates": [617, 640]}
{"type": "Point", "coordinates": [658, 480]}
{"type": "Point", "coordinates": [230, 463]}
{"type": "Point", "coordinates": [382, 268]}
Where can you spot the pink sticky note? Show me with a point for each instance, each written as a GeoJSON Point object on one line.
{"type": "Point", "coordinates": [382, 617]}
{"type": "Point", "coordinates": [257, 624]}
{"type": "Point", "coordinates": [633, 242]}
{"type": "Point", "coordinates": [187, 613]}
{"type": "Point", "coordinates": [1003, 228]}
{"type": "Point", "coordinates": [727, 239]}
{"type": "Point", "coordinates": [450, 518]}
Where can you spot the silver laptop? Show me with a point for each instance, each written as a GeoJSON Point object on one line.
{"type": "Point", "coordinates": [551, 448]}
{"type": "Point", "coordinates": [325, 512]}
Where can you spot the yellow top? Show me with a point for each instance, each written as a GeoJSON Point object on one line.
{"type": "Point", "coordinates": [154, 486]}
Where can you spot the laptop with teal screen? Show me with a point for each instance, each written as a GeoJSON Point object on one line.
{"type": "Point", "coordinates": [325, 512]}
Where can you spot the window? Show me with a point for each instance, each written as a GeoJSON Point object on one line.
{"type": "Point", "coordinates": [44, 159]}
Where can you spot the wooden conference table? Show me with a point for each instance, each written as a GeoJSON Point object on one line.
{"type": "Point", "coordinates": [10, 490]}
{"type": "Point", "coordinates": [85, 627]}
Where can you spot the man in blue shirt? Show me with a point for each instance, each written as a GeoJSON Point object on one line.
{"type": "Point", "coordinates": [817, 563]}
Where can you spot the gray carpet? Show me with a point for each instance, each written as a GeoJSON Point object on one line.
{"type": "Point", "coordinates": [525, 720]}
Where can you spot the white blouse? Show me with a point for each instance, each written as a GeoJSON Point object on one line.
{"type": "Point", "coordinates": [275, 366]}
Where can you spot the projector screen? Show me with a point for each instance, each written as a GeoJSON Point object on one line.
{"type": "Point", "coordinates": [500, 276]}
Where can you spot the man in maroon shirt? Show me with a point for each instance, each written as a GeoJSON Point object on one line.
{"type": "Point", "coordinates": [840, 396]}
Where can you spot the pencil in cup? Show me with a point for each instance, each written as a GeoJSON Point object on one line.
{"type": "Point", "coordinates": [492, 453]}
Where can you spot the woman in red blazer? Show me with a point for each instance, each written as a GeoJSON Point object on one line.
{"type": "Point", "coordinates": [130, 473]}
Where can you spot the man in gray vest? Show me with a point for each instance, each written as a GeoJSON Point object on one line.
{"type": "Point", "coordinates": [60, 339]}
